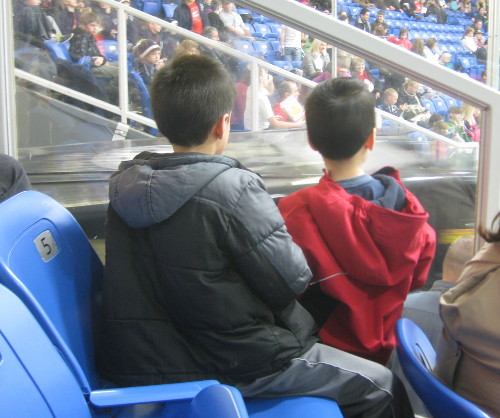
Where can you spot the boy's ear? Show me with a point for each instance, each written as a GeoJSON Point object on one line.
{"type": "Point", "coordinates": [370, 141]}
{"type": "Point", "coordinates": [222, 125]}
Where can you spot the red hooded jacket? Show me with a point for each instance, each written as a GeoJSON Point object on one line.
{"type": "Point", "coordinates": [381, 255]}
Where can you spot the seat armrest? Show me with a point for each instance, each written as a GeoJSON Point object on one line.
{"type": "Point", "coordinates": [148, 394]}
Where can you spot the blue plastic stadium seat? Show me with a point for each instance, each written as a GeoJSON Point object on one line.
{"type": "Point", "coordinates": [428, 105]}
{"type": "Point", "coordinates": [261, 30]}
{"type": "Point", "coordinates": [168, 9]}
{"type": "Point", "coordinates": [245, 46]}
{"type": "Point", "coordinates": [285, 65]}
{"type": "Point", "coordinates": [109, 48]}
{"type": "Point", "coordinates": [417, 358]}
{"type": "Point", "coordinates": [152, 7]}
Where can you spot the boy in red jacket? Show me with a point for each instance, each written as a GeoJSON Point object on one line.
{"type": "Point", "coordinates": [365, 237]}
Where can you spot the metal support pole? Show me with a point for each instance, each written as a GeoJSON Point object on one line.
{"type": "Point", "coordinates": [8, 125]}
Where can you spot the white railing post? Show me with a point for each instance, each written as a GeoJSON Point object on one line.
{"type": "Point", "coordinates": [8, 123]}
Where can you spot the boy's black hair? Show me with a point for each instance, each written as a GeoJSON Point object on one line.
{"type": "Point", "coordinates": [188, 96]}
{"type": "Point", "coordinates": [340, 115]}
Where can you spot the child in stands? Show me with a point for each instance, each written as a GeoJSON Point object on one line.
{"type": "Point", "coordinates": [390, 100]}
{"type": "Point", "coordinates": [365, 237]}
{"type": "Point", "coordinates": [147, 60]}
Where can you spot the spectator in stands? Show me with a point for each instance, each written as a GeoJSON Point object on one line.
{"type": "Point", "coordinates": [360, 71]}
{"type": "Point", "coordinates": [240, 101]}
{"type": "Point", "coordinates": [210, 260]}
{"type": "Point", "coordinates": [229, 62]}
{"type": "Point", "coordinates": [434, 9]}
{"type": "Point", "coordinates": [481, 53]}
{"type": "Point", "coordinates": [13, 178]}
{"type": "Point", "coordinates": [363, 21]}
{"type": "Point", "coordinates": [423, 307]}
{"type": "Point", "coordinates": [187, 47]}
{"type": "Point", "coordinates": [445, 60]}
{"type": "Point", "coordinates": [215, 20]}
{"type": "Point", "coordinates": [291, 44]}
{"type": "Point", "coordinates": [482, 14]}
{"type": "Point", "coordinates": [379, 22]}
{"type": "Point", "coordinates": [147, 60]}
{"type": "Point", "coordinates": [107, 18]}
{"type": "Point", "coordinates": [471, 117]}
{"type": "Point", "coordinates": [408, 6]}
{"type": "Point", "coordinates": [467, 358]}
{"type": "Point", "coordinates": [208, 6]}
{"type": "Point", "coordinates": [233, 22]}
{"type": "Point", "coordinates": [348, 217]}
{"type": "Point", "coordinates": [409, 102]}
{"type": "Point", "coordinates": [418, 46]}
{"type": "Point", "coordinates": [167, 41]}
{"type": "Point", "coordinates": [431, 51]}
{"type": "Point", "coordinates": [83, 44]}
{"type": "Point", "coordinates": [466, 8]}
{"type": "Point", "coordinates": [477, 25]}
{"type": "Point", "coordinates": [434, 118]}
{"type": "Point", "coordinates": [469, 41]}
{"type": "Point", "coordinates": [67, 16]}
{"type": "Point", "coordinates": [288, 108]}
{"type": "Point", "coordinates": [132, 27]}
{"type": "Point", "coordinates": [33, 25]}
{"type": "Point", "coordinates": [266, 117]}
{"type": "Point", "coordinates": [401, 40]}
{"type": "Point", "coordinates": [456, 124]}
{"type": "Point", "coordinates": [342, 15]}
{"type": "Point", "coordinates": [315, 61]}
{"type": "Point", "coordinates": [390, 100]}
{"type": "Point", "coordinates": [364, 3]}
{"type": "Point", "coordinates": [441, 127]}
{"type": "Point", "coordinates": [190, 15]}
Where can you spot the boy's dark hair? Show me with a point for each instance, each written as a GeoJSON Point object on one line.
{"type": "Point", "coordinates": [340, 115]}
{"type": "Point", "coordinates": [283, 88]}
{"type": "Point", "coordinates": [454, 109]}
{"type": "Point", "coordinates": [188, 96]}
{"type": "Point", "coordinates": [87, 18]}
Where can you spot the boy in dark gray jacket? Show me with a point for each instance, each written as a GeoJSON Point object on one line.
{"type": "Point", "coordinates": [201, 277]}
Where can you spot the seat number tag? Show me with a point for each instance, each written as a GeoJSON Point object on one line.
{"type": "Point", "coordinates": [46, 245]}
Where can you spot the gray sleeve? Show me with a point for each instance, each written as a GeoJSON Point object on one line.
{"type": "Point", "coordinates": [273, 265]}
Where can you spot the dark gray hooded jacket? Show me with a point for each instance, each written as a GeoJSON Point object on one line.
{"type": "Point", "coordinates": [201, 276]}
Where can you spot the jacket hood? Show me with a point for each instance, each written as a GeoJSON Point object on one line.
{"type": "Point", "coordinates": [152, 187]}
{"type": "Point", "coordinates": [13, 178]}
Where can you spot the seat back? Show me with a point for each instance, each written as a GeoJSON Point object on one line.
{"type": "Point", "coordinates": [152, 7]}
{"type": "Point", "coordinates": [48, 262]}
{"type": "Point", "coordinates": [417, 358]}
{"type": "Point", "coordinates": [168, 9]}
{"type": "Point", "coordinates": [34, 379]}
{"type": "Point", "coordinates": [57, 51]}
{"type": "Point", "coordinates": [109, 48]}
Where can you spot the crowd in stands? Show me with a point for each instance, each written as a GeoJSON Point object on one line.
{"type": "Point", "coordinates": [447, 33]}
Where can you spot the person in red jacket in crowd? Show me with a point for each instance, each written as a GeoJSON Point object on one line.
{"type": "Point", "coordinates": [365, 237]}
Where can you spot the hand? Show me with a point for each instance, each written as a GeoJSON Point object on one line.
{"type": "Point", "coordinates": [98, 61]}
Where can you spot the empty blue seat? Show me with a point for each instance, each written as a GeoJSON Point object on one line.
{"type": "Point", "coordinates": [152, 7]}
{"type": "Point", "coordinates": [417, 358]}
{"type": "Point", "coordinates": [285, 65]}
{"type": "Point", "coordinates": [261, 30]}
{"type": "Point", "coordinates": [243, 45]}
{"type": "Point", "coordinates": [168, 9]}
